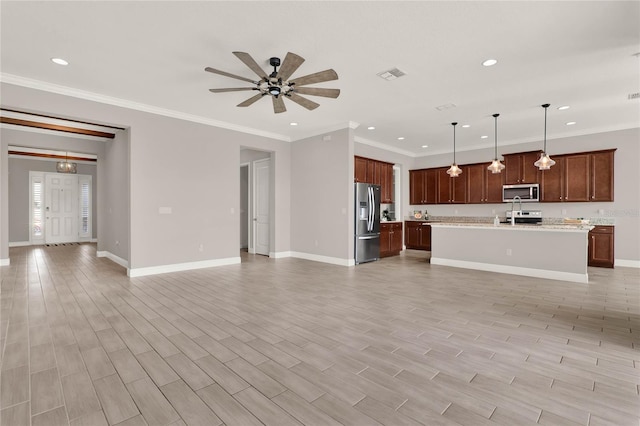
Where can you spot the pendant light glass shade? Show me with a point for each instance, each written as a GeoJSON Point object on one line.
{"type": "Point", "coordinates": [496, 166]}
{"type": "Point", "coordinates": [544, 162]}
{"type": "Point", "coordinates": [66, 167]}
{"type": "Point", "coordinates": [454, 170]}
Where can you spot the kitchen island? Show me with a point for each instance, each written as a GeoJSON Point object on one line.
{"type": "Point", "coordinates": [546, 251]}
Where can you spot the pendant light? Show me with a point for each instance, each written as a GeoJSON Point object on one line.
{"type": "Point", "coordinates": [496, 166]}
{"type": "Point", "coordinates": [454, 170]}
{"type": "Point", "coordinates": [65, 166]}
{"type": "Point", "coordinates": [544, 162]}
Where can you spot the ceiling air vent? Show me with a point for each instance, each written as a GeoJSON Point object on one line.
{"type": "Point", "coordinates": [391, 74]}
{"type": "Point", "coordinates": [633, 96]}
{"type": "Point", "coordinates": [445, 107]}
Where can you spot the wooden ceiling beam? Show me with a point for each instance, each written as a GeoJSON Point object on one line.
{"type": "Point", "coordinates": [56, 127]}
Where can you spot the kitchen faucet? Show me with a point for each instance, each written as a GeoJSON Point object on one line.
{"type": "Point", "coordinates": [513, 216]}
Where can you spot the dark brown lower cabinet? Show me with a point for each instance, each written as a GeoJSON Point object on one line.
{"type": "Point", "coordinates": [601, 239]}
{"type": "Point", "coordinates": [390, 239]}
{"type": "Point", "coordinates": [417, 235]}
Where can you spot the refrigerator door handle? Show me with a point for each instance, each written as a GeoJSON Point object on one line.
{"type": "Point", "coordinates": [369, 237]}
{"type": "Point", "coordinates": [373, 208]}
{"type": "Point", "coordinates": [369, 207]}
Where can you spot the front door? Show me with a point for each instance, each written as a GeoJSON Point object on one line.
{"type": "Point", "coordinates": [261, 206]}
{"type": "Point", "coordinates": [61, 208]}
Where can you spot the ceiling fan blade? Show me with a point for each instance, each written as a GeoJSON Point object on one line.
{"type": "Point", "coordinates": [226, 74]}
{"type": "Point", "coordinates": [231, 89]}
{"type": "Point", "coordinates": [250, 101]}
{"type": "Point", "coordinates": [316, 91]}
{"type": "Point", "coordinates": [307, 103]}
{"type": "Point", "coordinates": [318, 77]}
{"type": "Point", "coordinates": [251, 63]}
{"type": "Point", "coordinates": [289, 65]}
{"type": "Point", "coordinates": [278, 104]}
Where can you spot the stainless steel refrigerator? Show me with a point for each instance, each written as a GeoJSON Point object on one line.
{"type": "Point", "coordinates": [367, 226]}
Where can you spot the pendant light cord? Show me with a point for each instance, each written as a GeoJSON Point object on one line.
{"type": "Point", "coordinates": [454, 142]}
{"type": "Point", "coordinates": [545, 106]}
{"type": "Point", "coordinates": [495, 151]}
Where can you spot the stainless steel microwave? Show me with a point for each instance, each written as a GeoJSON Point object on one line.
{"type": "Point", "coordinates": [528, 192]}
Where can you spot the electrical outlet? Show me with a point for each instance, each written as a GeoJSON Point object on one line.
{"type": "Point", "coordinates": [316, 243]}
{"type": "Point", "coordinates": [201, 248]}
{"type": "Point", "coordinates": [509, 252]}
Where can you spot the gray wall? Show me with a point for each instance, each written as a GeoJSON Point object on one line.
{"type": "Point", "coordinates": [114, 199]}
{"type": "Point", "coordinates": [19, 194]}
{"type": "Point", "coordinates": [625, 210]}
{"type": "Point", "coordinates": [322, 187]}
{"type": "Point", "coordinates": [187, 166]}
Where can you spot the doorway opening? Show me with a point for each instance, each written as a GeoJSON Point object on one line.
{"type": "Point", "coordinates": [256, 217]}
{"type": "Point", "coordinates": [61, 208]}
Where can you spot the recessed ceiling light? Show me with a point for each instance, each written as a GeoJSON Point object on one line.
{"type": "Point", "coordinates": [425, 146]}
{"type": "Point", "coordinates": [293, 124]}
{"type": "Point", "coordinates": [401, 138]}
{"type": "Point", "coordinates": [466, 126]}
{"type": "Point", "coordinates": [484, 137]}
{"type": "Point", "coordinates": [371, 128]}
{"type": "Point", "coordinates": [563, 107]}
{"type": "Point", "coordinates": [570, 123]}
{"type": "Point", "coordinates": [59, 61]}
{"type": "Point", "coordinates": [489, 62]}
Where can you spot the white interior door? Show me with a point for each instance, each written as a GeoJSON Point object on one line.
{"type": "Point", "coordinates": [61, 208]}
{"type": "Point", "coordinates": [261, 206]}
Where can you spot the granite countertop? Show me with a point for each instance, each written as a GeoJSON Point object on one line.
{"type": "Point", "coordinates": [390, 221]}
{"type": "Point", "coordinates": [521, 226]}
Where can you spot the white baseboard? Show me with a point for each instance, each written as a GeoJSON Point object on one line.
{"type": "Point", "coordinates": [279, 254]}
{"type": "Point", "coordinates": [178, 267]}
{"type": "Point", "coordinates": [514, 270]}
{"type": "Point", "coordinates": [120, 261]}
{"type": "Point", "coordinates": [19, 243]}
{"type": "Point", "coordinates": [627, 263]}
{"type": "Point", "coordinates": [5, 262]}
{"type": "Point", "coordinates": [323, 259]}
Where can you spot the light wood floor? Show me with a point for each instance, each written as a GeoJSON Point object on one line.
{"type": "Point", "coordinates": [289, 341]}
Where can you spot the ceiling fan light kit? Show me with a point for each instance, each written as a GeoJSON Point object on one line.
{"type": "Point", "coordinates": [279, 84]}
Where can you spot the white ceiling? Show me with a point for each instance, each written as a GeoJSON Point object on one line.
{"type": "Point", "coordinates": [577, 53]}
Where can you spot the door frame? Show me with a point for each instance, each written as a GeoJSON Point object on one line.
{"type": "Point", "coordinates": [42, 176]}
{"type": "Point", "coordinates": [249, 205]}
{"type": "Point", "coordinates": [254, 194]}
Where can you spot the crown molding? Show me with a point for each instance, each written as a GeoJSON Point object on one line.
{"type": "Point", "coordinates": [124, 103]}
{"type": "Point", "coordinates": [328, 129]}
{"type": "Point", "coordinates": [384, 146]}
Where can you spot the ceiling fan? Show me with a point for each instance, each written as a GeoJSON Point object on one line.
{"type": "Point", "coordinates": [279, 84]}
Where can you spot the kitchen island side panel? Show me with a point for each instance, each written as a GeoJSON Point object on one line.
{"type": "Point", "coordinates": [547, 253]}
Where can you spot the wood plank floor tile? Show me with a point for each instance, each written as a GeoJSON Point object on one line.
{"type": "Point", "coordinates": [127, 365]}
{"type": "Point", "coordinates": [95, 418]}
{"type": "Point", "coordinates": [303, 411]}
{"type": "Point", "coordinates": [189, 371]}
{"type": "Point", "coordinates": [79, 395]}
{"type": "Point", "coordinates": [190, 407]}
{"type": "Point", "coordinates": [46, 391]}
{"type": "Point", "coordinates": [230, 411]}
{"type": "Point", "coordinates": [152, 404]}
{"type": "Point", "coordinates": [116, 402]}
{"type": "Point", "coordinates": [19, 414]}
{"type": "Point", "coordinates": [264, 409]}
{"type": "Point", "coordinates": [215, 348]}
{"type": "Point", "coordinates": [343, 412]}
{"type": "Point", "coordinates": [157, 368]}
{"type": "Point", "coordinates": [255, 377]}
{"type": "Point", "coordinates": [223, 375]}
{"type": "Point", "coordinates": [55, 417]}
{"type": "Point", "coordinates": [398, 340]}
